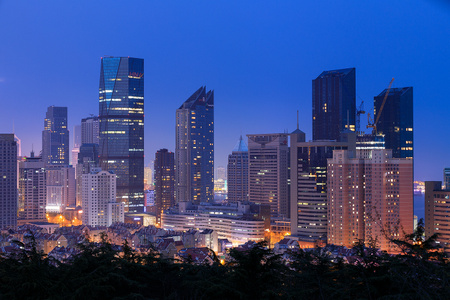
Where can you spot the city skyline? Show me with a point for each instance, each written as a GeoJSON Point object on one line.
{"type": "Point", "coordinates": [248, 62]}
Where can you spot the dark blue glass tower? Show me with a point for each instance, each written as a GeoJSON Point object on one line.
{"type": "Point", "coordinates": [55, 137]}
{"type": "Point", "coordinates": [194, 153]}
{"type": "Point", "coordinates": [334, 103]}
{"type": "Point", "coordinates": [121, 118]}
{"type": "Point", "coordinates": [396, 121]}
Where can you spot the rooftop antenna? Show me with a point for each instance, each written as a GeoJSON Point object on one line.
{"type": "Point", "coordinates": [297, 119]}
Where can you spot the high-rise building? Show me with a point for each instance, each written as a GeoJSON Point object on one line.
{"type": "Point", "coordinates": [61, 188]}
{"type": "Point", "coordinates": [446, 185]}
{"type": "Point", "coordinates": [76, 144]}
{"type": "Point", "coordinates": [164, 181]}
{"type": "Point", "coordinates": [194, 152]}
{"type": "Point", "coordinates": [396, 121]}
{"type": "Point", "coordinates": [334, 103]}
{"type": "Point", "coordinates": [76, 136]}
{"type": "Point", "coordinates": [148, 178]}
{"type": "Point", "coordinates": [90, 130]}
{"type": "Point", "coordinates": [8, 182]}
{"type": "Point", "coordinates": [308, 177]}
{"type": "Point", "coordinates": [221, 173]}
{"type": "Point", "coordinates": [87, 160]}
{"type": "Point", "coordinates": [237, 173]}
{"type": "Point", "coordinates": [32, 188]}
{"type": "Point", "coordinates": [268, 172]}
{"type": "Point", "coordinates": [100, 207]}
{"type": "Point", "coordinates": [369, 199]}
{"type": "Point", "coordinates": [55, 137]}
{"type": "Point", "coordinates": [121, 118]}
{"type": "Point", "coordinates": [437, 208]}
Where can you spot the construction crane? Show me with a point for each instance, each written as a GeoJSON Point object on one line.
{"type": "Point", "coordinates": [360, 111]}
{"type": "Point", "coordinates": [370, 122]}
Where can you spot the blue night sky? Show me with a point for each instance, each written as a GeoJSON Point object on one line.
{"type": "Point", "coordinates": [258, 56]}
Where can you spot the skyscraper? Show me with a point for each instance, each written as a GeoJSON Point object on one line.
{"type": "Point", "coordinates": [32, 188]}
{"type": "Point", "coordinates": [87, 161]}
{"type": "Point", "coordinates": [99, 199]}
{"type": "Point", "coordinates": [164, 181]}
{"type": "Point", "coordinates": [268, 172]}
{"type": "Point", "coordinates": [194, 153]}
{"type": "Point", "coordinates": [369, 198]}
{"type": "Point", "coordinates": [121, 118]}
{"type": "Point", "coordinates": [396, 121]}
{"type": "Point", "coordinates": [8, 181]}
{"type": "Point", "coordinates": [55, 137]}
{"type": "Point", "coordinates": [309, 187]}
{"type": "Point", "coordinates": [90, 130]}
{"type": "Point", "coordinates": [238, 173]}
{"type": "Point", "coordinates": [437, 206]}
{"type": "Point", "coordinates": [334, 103]}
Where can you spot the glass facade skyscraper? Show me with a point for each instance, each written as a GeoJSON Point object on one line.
{"type": "Point", "coordinates": [396, 121]}
{"type": "Point", "coordinates": [334, 103]}
{"type": "Point", "coordinates": [55, 137]}
{"type": "Point", "coordinates": [194, 153]}
{"type": "Point", "coordinates": [121, 121]}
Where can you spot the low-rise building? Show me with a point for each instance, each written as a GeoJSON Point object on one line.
{"type": "Point", "coordinates": [234, 222]}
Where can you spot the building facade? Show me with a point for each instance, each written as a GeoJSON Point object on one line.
{"type": "Point", "coordinates": [369, 199]}
{"type": "Point", "coordinates": [61, 188]}
{"type": "Point", "coordinates": [32, 188]}
{"type": "Point", "coordinates": [237, 173]}
{"type": "Point", "coordinates": [396, 121]}
{"type": "Point", "coordinates": [100, 207]}
{"type": "Point", "coordinates": [121, 122]}
{"type": "Point", "coordinates": [8, 182]}
{"type": "Point", "coordinates": [87, 160]}
{"type": "Point", "coordinates": [446, 185]}
{"type": "Point", "coordinates": [334, 103]}
{"type": "Point", "coordinates": [55, 137]}
{"type": "Point", "coordinates": [90, 130]}
{"type": "Point", "coordinates": [194, 152]}
{"type": "Point", "coordinates": [309, 187]}
{"type": "Point", "coordinates": [164, 181]}
{"type": "Point", "coordinates": [437, 210]}
{"type": "Point", "coordinates": [234, 222]}
{"type": "Point", "coordinates": [268, 172]}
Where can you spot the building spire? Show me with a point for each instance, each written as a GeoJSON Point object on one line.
{"type": "Point", "coordinates": [297, 119]}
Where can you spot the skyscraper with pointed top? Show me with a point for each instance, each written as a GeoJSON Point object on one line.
{"type": "Point", "coordinates": [121, 122]}
{"type": "Point", "coordinates": [237, 173]}
{"type": "Point", "coordinates": [194, 150]}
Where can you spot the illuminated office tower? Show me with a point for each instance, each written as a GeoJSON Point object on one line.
{"type": "Point", "coordinates": [90, 130]}
{"type": "Point", "coordinates": [87, 161]}
{"type": "Point", "coordinates": [396, 121]}
{"type": "Point", "coordinates": [268, 172]}
{"type": "Point", "coordinates": [369, 198]}
{"type": "Point", "coordinates": [194, 152]}
{"type": "Point", "coordinates": [121, 119]}
{"type": "Point", "coordinates": [334, 103]}
{"type": "Point", "coordinates": [8, 182]}
{"type": "Point", "coordinates": [308, 175]}
{"type": "Point", "coordinates": [55, 137]}
{"type": "Point", "coordinates": [100, 207]}
{"type": "Point", "coordinates": [237, 173]}
{"type": "Point", "coordinates": [437, 208]}
{"type": "Point", "coordinates": [32, 188]}
{"type": "Point", "coordinates": [164, 181]}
